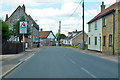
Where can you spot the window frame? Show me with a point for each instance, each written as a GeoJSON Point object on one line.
{"type": "Point", "coordinates": [89, 40]}
{"type": "Point", "coordinates": [110, 40]}
{"type": "Point", "coordinates": [95, 40]}
{"type": "Point", "coordinates": [95, 25]}
{"type": "Point", "coordinates": [104, 40]}
{"type": "Point", "coordinates": [104, 21]}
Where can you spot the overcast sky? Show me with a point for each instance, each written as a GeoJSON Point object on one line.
{"type": "Point", "coordinates": [48, 13]}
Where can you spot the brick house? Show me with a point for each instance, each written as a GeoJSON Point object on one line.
{"type": "Point", "coordinates": [47, 38]}
{"type": "Point", "coordinates": [110, 28]}
{"type": "Point", "coordinates": [74, 38]}
{"type": "Point", "coordinates": [16, 16]}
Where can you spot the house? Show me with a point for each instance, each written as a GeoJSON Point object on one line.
{"type": "Point", "coordinates": [75, 38]}
{"type": "Point", "coordinates": [95, 33]}
{"type": "Point", "coordinates": [16, 16]}
{"type": "Point", "coordinates": [109, 27]}
{"type": "Point", "coordinates": [47, 38]}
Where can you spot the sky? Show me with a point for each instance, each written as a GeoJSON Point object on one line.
{"type": "Point", "coordinates": [48, 13]}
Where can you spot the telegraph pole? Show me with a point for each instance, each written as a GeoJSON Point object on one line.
{"type": "Point", "coordinates": [59, 33]}
{"type": "Point", "coordinates": [83, 26]}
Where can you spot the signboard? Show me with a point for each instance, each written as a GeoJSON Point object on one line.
{"type": "Point", "coordinates": [23, 27]}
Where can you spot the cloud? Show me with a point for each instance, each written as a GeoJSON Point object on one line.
{"type": "Point", "coordinates": [48, 18]}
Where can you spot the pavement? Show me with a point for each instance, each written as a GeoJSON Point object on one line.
{"type": "Point", "coordinates": [61, 62]}
{"type": "Point", "coordinates": [114, 58]}
{"type": "Point", "coordinates": [11, 61]}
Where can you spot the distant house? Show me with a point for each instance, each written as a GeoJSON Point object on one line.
{"type": "Point", "coordinates": [75, 38]}
{"type": "Point", "coordinates": [47, 38]}
{"type": "Point", "coordinates": [16, 16]}
{"type": "Point", "coordinates": [107, 36]}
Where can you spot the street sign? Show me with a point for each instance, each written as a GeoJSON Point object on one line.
{"type": "Point", "coordinates": [23, 27]}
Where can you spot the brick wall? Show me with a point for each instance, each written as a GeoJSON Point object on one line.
{"type": "Point", "coordinates": [109, 30]}
{"type": "Point", "coordinates": [12, 47]}
{"type": "Point", "coordinates": [78, 39]}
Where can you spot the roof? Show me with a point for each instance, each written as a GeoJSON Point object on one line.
{"type": "Point", "coordinates": [107, 10]}
{"type": "Point", "coordinates": [74, 32]}
{"type": "Point", "coordinates": [44, 34]}
{"type": "Point", "coordinates": [25, 14]}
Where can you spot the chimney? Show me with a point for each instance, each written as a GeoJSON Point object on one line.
{"type": "Point", "coordinates": [102, 6]}
{"type": "Point", "coordinates": [23, 7]}
{"type": "Point", "coordinates": [76, 30]}
{"type": "Point", "coordinates": [41, 29]}
{"type": "Point", "coordinates": [6, 17]}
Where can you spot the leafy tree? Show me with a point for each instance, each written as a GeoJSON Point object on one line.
{"type": "Point", "coordinates": [5, 31]}
{"type": "Point", "coordinates": [16, 28]}
{"type": "Point", "coordinates": [62, 36]}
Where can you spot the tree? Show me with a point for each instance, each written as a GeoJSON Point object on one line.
{"type": "Point", "coordinates": [62, 36]}
{"type": "Point", "coordinates": [5, 31]}
{"type": "Point", "coordinates": [16, 28]}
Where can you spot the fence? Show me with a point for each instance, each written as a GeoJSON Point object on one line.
{"type": "Point", "coordinates": [12, 47]}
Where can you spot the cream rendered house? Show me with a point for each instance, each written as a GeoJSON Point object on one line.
{"type": "Point", "coordinates": [95, 35]}
{"type": "Point", "coordinates": [95, 32]}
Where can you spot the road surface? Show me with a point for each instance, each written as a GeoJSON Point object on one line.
{"type": "Point", "coordinates": [60, 62]}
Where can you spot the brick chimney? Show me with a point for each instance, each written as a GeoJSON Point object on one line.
{"type": "Point", "coordinates": [6, 17]}
{"type": "Point", "coordinates": [102, 6]}
{"type": "Point", "coordinates": [23, 7]}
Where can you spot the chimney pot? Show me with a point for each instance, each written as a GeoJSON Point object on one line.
{"type": "Point", "coordinates": [102, 6]}
{"type": "Point", "coordinates": [23, 7]}
{"type": "Point", "coordinates": [6, 17]}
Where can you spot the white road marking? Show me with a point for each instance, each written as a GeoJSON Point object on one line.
{"type": "Point", "coordinates": [11, 69]}
{"type": "Point", "coordinates": [72, 61]}
{"type": "Point", "coordinates": [88, 72]}
{"type": "Point", "coordinates": [29, 57]}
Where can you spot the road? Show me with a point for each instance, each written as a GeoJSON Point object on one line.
{"type": "Point", "coordinates": [60, 62]}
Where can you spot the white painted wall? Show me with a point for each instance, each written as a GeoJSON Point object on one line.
{"type": "Point", "coordinates": [95, 33]}
{"type": "Point", "coordinates": [50, 35]}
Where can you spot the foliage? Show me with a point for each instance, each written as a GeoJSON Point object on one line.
{"type": "Point", "coordinates": [15, 30]}
{"type": "Point", "coordinates": [62, 36]}
{"type": "Point", "coordinates": [5, 31]}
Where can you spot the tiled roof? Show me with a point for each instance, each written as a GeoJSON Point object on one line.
{"type": "Point", "coordinates": [112, 7]}
{"type": "Point", "coordinates": [44, 34]}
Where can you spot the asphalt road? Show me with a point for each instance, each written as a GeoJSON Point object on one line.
{"type": "Point", "coordinates": [60, 62]}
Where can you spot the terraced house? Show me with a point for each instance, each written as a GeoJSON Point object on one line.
{"type": "Point", "coordinates": [110, 29]}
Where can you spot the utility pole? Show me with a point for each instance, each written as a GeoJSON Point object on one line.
{"type": "Point", "coordinates": [59, 33]}
{"type": "Point", "coordinates": [83, 26]}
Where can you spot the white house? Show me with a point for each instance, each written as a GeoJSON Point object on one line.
{"type": "Point", "coordinates": [95, 32]}
{"type": "Point", "coordinates": [47, 38]}
{"type": "Point", "coordinates": [74, 38]}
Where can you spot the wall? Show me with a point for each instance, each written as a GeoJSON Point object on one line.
{"type": "Point", "coordinates": [109, 30]}
{"type": "Point", "coordinates": [51, 35]}
{"type": "Point", "coordinates": [12, 47]}
{"type": "Point", "coordinates": [95, 33]}
{"type": "Point", "coordinates": [79, 39]}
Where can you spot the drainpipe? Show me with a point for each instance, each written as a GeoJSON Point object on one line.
{"type": "Point", "coordinates": [113, 32]}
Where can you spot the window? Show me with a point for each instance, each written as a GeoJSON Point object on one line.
{"type": "Point", "coordinates": [104, 22]}
{"type": "Point", "coordinates": [95, 25]}
{"type": "Point", "coordinates": [110, 40]}
{"type": "Point", "coordinates": [89, 27]}
{"type": "Point", "coordinates": [95, 40]}
{"type": "Point", "coordinates": [89, 40]}
{"type": "Point", "coordinates": [104, 40]}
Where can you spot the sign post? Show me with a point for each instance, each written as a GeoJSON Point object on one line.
{"type": "Point", "coordinates": [23, 30]}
